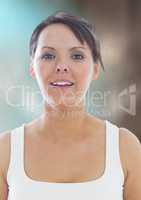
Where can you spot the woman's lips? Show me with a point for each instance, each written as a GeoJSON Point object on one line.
{"type": "Point", "coordinates": [61, 83]}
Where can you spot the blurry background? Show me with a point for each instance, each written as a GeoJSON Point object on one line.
{"type": "Point", "coordinates": [115, 96]}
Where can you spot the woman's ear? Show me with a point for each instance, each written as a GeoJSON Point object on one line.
{"type": "Point", "coordinates": [96, 70]}
{"type": "Point", "coordinates": [31, 70]}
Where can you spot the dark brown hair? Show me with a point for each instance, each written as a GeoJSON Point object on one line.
{"type": "Point", "coordinates": [82, 29]}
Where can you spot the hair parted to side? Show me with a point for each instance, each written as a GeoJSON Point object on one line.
{"type": "Point", "coordinates": [82, 29]}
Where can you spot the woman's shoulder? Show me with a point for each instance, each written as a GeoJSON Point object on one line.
{"type": "Point", "coordinates": [4, 151]}
{"type": "Point", "coordinates": [129, 137]}
{"type": "Point", "coordinates": [131, 152]}
{"type": "Point", "coordinates": [4, 143]}
{"type": "Point", "coordinates": [131, 148]}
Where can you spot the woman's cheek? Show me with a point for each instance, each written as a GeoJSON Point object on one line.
{"type": "Point", "coordinates": [42, 71]}
{"type": "Point", "coordinates": [85, 78]}
{"type": "Point", "coordinates": [86, 73]}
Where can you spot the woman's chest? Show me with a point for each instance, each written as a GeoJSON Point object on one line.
{"type": "Point", "coordinates": [65, 162]}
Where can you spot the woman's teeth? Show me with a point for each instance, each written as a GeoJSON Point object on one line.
{"type": "Point", "coordinates": [62, 83]}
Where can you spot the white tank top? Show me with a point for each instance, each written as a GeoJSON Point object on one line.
{"type": "Point", "coordinates": [107, 187]}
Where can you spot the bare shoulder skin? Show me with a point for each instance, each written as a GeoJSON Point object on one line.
{"type": "Point", "coordinates": [131, 154]}
{"type": "Point", "coordinates": [4, 163]}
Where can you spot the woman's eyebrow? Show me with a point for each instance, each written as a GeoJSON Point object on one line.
{"type": "Point", "coordinates": [48, 47]}
{"type": "Point", "coordinates": [78, 47]}
{"type": "Point", "coordinates": [75, 47]}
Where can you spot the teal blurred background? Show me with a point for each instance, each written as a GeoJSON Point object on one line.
{"type": "Point", "coordinates": [114, 96]}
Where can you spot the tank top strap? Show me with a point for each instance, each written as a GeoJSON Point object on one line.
{"type": "Point", "coordinates": [16, 153]}
{"type": "Point", "coordinates": [113, 151]}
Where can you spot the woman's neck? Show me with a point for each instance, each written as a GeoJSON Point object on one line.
{"type": "Point", "coordinates": [63, 122]}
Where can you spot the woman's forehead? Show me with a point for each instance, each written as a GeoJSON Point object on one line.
{"type": "Point", "coordinates": [59, 36]}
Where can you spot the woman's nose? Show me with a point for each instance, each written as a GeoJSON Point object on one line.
{"type": "Point", "coordinates": [62, 68]}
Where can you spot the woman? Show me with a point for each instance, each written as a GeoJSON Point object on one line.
{"type": "Point", "coordinates": [67, 153]}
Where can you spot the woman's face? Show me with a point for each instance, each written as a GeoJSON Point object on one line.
{"type": "Point", "coordinates": [61, 56]}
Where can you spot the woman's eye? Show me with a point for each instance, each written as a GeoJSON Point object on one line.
{"type": "Point", "coordinates": [78, 56]}
{"type": "Point", "coordinates": [48, 56]}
